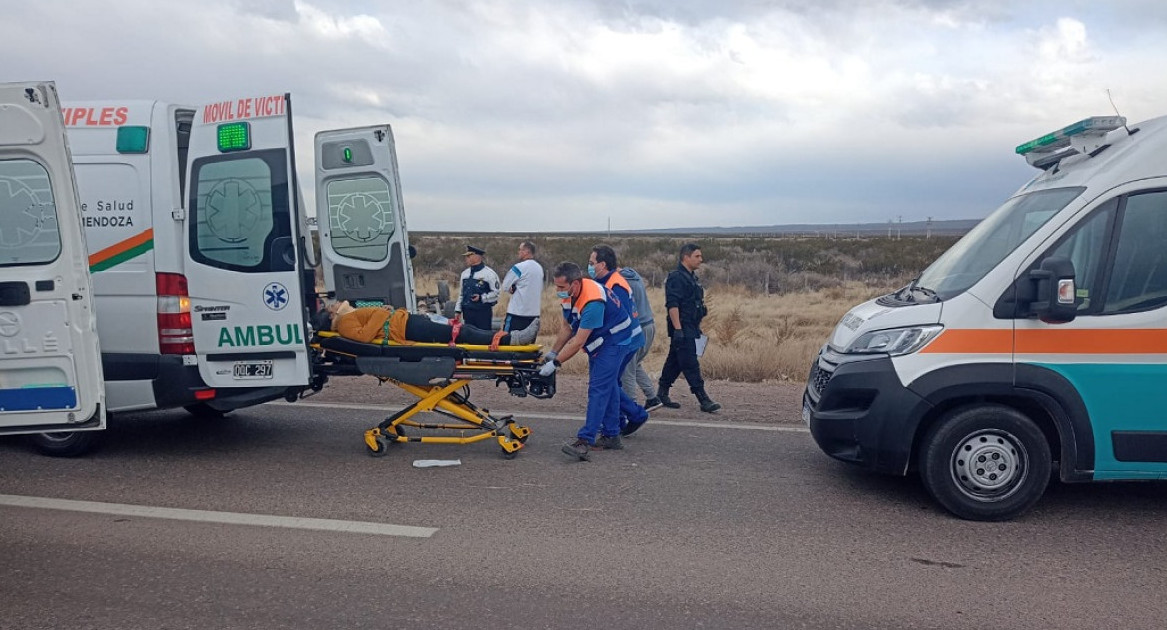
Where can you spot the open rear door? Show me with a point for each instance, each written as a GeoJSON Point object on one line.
{"type": "Point", "coordinates": [242, 267]}
{"type": "Point", "coordinates": [50, 362]}
{"type": "Point", "coordinates": [362, 220]}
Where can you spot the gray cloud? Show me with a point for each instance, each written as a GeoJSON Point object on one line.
{"type": "Point", "coordinates": [667, 112]}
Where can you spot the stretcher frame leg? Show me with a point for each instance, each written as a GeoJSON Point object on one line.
{"type": "Point", "coordinates": [446, 400]}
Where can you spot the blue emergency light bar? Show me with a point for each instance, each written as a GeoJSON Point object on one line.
{"type": "Point", "coordinates": [1096, 125]}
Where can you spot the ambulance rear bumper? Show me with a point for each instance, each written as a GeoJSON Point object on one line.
{"type": "Point", "coordinates": [176, 385]}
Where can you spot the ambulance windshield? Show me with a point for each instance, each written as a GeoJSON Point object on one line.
{"type": "Point", "coordinates": [986, 245]}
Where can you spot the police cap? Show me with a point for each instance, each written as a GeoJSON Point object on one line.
{"type": "Point", "coordinates": [470, 249]}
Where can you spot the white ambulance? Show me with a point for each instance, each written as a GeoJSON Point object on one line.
{"type": "Point", "coordinates": [50, 367]}
{"type": "Point", "coordinates": [1037, 343]}
{"type": "Point", "coordinates": [199, 251]}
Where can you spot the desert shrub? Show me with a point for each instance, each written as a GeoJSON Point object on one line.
{"type": "Point", "coordinates": [773, 301]}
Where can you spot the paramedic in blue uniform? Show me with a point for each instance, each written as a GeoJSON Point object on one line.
{"type": "Point", "coordinates": [600, 326]}
{"type": "Point", "coordinates": [479, 288]}
{"type": "Point", "coordinates": [685, 304]}
{"type": "Point", "coordinates": [603, 267]}
{"type": "Point", "coordinates": [525, 284]}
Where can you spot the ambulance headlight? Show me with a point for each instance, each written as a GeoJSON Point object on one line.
{"type": "Point", "coordinates": [894, 341]}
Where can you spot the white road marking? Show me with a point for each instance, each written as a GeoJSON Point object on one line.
{"type": "Point", "coordinates": [390, 409]}
{"type": "Point", "coordinates": [228, 518]}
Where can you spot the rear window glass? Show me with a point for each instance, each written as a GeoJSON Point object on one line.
{"type": "Point", "coordinates": [239, 207]}
{"type": "Point", "coordinates": [361, 218]}
{"type": "Point", "coordinates": [28, 215]}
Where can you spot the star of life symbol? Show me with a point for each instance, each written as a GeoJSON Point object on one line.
{"type": "Point", "coordinates": [362, 217]}
{"type": "Point", "coordinates": [9, 324]}
{"type": "Point", "coordinates": [275, 296]}
{"type": "Point", "coordinates": [233, 210]}
{"type": "Point", "coordinates": [25, 214]}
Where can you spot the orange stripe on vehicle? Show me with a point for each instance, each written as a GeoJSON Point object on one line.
{"type": "Point", "coordinates": [121, 247]}
{"type": "Point", "coordinates": [972, 341]}
{"type": "Point", "coordinates": [1081, 341]}
{"type": "Point", "coordinates": [1050, 341]}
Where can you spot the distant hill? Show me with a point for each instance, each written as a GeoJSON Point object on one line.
{"type": "Point", "coordinates": [909, 228]}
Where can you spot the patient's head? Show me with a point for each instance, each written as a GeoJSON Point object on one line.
{"type": "Point", "coordinates": [336, 309]}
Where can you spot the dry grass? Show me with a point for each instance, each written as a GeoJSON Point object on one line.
{"type": "Point", "coordinates": [753, 337]}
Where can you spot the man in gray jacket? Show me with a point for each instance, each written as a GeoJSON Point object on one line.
{"type": "Point", "coordinates": [634, 375]}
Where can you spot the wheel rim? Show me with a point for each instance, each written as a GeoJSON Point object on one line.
{"type": "Point", "coordinates": [59, 438]}
{"type": "Point", "coordinates": [989, 465]}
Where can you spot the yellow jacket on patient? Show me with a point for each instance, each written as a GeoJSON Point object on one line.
{"type": "Point", "coordinates": [368, 323]}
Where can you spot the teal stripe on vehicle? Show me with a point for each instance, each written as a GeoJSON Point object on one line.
{"type": "Point", "coordinates": [1120, 397]}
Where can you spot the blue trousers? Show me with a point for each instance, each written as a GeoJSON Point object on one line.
{"type": "Point", "coordinates": [603, 415]}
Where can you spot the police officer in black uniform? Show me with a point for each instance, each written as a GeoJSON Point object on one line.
{"type": "Point", "coordinates": [479, 286]}
{"type": "Point", "coordinates": [685, 303]}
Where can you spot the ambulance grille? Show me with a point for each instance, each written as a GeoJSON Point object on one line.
{"type": "Point", "coordinates": [819, 379]}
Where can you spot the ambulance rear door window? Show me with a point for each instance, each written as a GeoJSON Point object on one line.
{"type": "Point", "coordinates": [28, 215]}
{"type": "Point", "coordinates": [239, 208]}
{"type": "Point", "coordinates": [361, 218]}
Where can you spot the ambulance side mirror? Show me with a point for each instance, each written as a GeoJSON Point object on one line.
{"type": "Point", "coordinates": [1055, 295]}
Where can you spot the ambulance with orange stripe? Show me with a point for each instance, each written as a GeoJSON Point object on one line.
{"type": "Point", "coordinates": [1037, 343]}
{"type": "Point", "coordinates": [200, 255]}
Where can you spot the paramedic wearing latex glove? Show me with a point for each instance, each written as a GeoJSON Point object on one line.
{"type": "Point", "coordinates": [685, 304]}
{"type": "Point", "coordinates": [603, 267]}
{"type": "Point", "coordinates": [479, 290]}
{"type": "Point", "coordinates": [525, 284]}
{"type": "Point", "coordinates": [600, 326]}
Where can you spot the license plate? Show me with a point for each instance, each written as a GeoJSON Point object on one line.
{"type": "Point", "coordinates": [253, 370]}
{"type": "Point", "coordinates": [806, 414]}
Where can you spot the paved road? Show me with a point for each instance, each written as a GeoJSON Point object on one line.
{"type": "Point", "coordinates": [689, 527]}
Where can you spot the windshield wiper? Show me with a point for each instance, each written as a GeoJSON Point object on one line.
{"type": "Point", "coordinates": [905, 294]}
{"type": "Point", "coordinates": [925, 290]}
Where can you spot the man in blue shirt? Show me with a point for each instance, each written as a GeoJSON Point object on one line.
{"type": "Point", "coordinates": [600, 325]}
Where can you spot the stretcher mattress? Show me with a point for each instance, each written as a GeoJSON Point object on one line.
{"type": "Point", "coordinates": [419, 351]}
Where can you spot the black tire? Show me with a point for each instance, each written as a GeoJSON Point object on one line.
{"type": "Point", "coordinates": [203, 410]}
{"type": "Point", "coordinates": [381, 450]}
{"type": "Point", "coordinates": [985, 463]}
{"type": "Point", "coordinates": [68, 444]}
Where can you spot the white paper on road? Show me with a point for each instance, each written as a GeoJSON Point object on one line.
{"type": "Point", "coordinates": [435, 463]}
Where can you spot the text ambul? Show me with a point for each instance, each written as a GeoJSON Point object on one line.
{"type": "Point", "coordinates": [262, 335]}
{"type": "Point", "coordinates": [258, 107]}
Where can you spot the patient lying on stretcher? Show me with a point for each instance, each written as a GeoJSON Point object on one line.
{"type": "Point", "coordinates": [399, 325]}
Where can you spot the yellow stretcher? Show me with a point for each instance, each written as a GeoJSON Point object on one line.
{"type": "Point", "coordinates": [439, 375]}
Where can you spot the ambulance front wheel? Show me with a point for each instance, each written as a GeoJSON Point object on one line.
{"type": "Point", "coordinates": [985, 463]}
{"type": "Point", "coordinates": [68, 444]}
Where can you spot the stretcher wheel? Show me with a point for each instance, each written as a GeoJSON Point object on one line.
{"type": "Point", "coordinates": [376, 443]}
{"type": "Point", "coordinates": [509, 454]}
{"type": "Point", "coordinates": [382, 447]}
{"type": "Point", "coordinates": [519, 433]}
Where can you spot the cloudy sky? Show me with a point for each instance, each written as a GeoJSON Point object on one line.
{"type": "Point", "coordinates": [560, 115]}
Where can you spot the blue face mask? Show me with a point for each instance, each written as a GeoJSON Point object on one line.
{"type": "Point", "coordinates": [591, 271]}
{"type": "Point", "coordinates": [563, 295]}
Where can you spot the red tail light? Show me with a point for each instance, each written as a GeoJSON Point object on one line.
{"type": "Point", "coordinates": [175, 334]}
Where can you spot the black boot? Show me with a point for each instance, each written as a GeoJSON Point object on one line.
{"type": "Point", "coordinates": [707, 404]}
{"type": "Point", "coordinates": [662, 394]}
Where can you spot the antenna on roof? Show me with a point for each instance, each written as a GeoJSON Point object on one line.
{"type": "Point", "coordinates": [1111, 99]}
